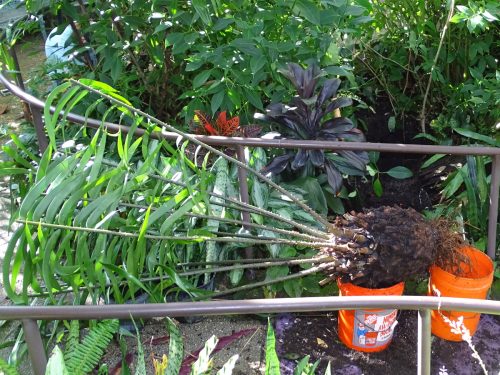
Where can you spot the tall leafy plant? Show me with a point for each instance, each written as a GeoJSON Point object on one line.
{"type": "Point", "coordinates": [312, 115]}
{"type": "Point", "coordinates": [173, 58]}
{"type": "Point", "coordinates": [415, 43]}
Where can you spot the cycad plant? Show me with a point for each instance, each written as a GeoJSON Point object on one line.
{"type": "Point", "coordinates": [94, 226]}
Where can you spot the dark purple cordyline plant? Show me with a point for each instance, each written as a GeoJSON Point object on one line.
{"type": "Point", "coordinates": [310, 116]}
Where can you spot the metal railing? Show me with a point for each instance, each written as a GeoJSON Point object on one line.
{"type": "Point", "coordinates": [30, 314]}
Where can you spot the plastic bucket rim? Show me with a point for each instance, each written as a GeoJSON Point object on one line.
{"type": "Point", "coordinates": [477, 252]}
{"type": "Point", "coordinates": [371, 291]}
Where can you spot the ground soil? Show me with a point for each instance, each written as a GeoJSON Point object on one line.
{"type": "Point", "coordinates": [316, 335]}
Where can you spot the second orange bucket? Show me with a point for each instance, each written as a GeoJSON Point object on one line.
{"type": "Point", "coordinates": [471, 280]}
{"type": "Point", "coordinates": [367, 330]}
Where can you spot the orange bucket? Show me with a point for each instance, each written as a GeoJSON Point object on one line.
{"type": "Point", "coordinates": [367, 330]}
{"type": "Point", "coordinates": [474, 282]}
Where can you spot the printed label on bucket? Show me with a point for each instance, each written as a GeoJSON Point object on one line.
{"type": "Point", "coordinates": [373, 328]}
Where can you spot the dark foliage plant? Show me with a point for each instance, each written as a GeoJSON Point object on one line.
{"type": "Point", "coordinates": [311, 116]}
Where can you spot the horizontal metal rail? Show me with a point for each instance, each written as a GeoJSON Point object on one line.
{"type": "Point", "coordinates": [260, 142]}
{"type": "Point", "coordinates": [248, 306]}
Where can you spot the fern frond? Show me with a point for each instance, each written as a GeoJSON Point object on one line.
{"type": "Point", "coordinates": [6, 369]}
{"type": "Point", "coordinates": [73, 337]}
{"type": "Point", "coordinates": [86, 355]}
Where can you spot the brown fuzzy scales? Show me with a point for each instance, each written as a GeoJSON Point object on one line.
{"type": "Point", "coordinates": [384, 246]}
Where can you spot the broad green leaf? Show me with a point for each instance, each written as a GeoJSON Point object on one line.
{"type": "Point", "coordinates": [201, 8]}
{"type": "Point", "coordinates": [479, 137]}
{"type": "Point", "coordinates": [216, 101]}
{"type": "Point", "coordinates": [308, 10]}
{"type": "Point", "coordinates": [377, 187]}
{"type": "Point", "coordinates": [201, 78]}
{"type": "Point", "coordinates": [293, 288]}
{"type": "Point", "coordinates": [432, 160]}
{"type": "Point", "coordinates": [254, 99]}
{"type": "Point", "coordinates": [277, 272]}
{"type": "Point", "coordinates": [452, 184]}
{"type": "Point", "coordinates": [391, 124]}
{"type": "Point", "coordinates": [400, 172]}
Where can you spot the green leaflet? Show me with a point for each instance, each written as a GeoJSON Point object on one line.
{"type": "Point", "coordinates": [49, 261]}
{"type": "Point", "coordinates": [175, 349]}
{"type": "Point", "coordinates": [50, 120]}
{"type": "Point", "coordinates": [60, 170]}
{"type": "Point", "coordinates": [55, 197]}
{"type": "Point", "coordinates": [56, 364]}
{"type": "Point", "coordinates": [9, 284]}
{"type": "Point", "coordinates": [272, 361]}
{"type": "Point", "coordinates": [140, 366]}
{"type": "Point", "coordinates": [220, 184]}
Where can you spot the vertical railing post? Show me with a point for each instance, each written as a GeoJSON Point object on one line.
{"type": "Point", "coordinates": [424, 342]}
{"type": "Point", "coordinates": [43, 142]}
{"type": "Point", "coordinates": [493, 211]}
{"type": "Point", "coordinates": [18, 77]}
{"type": "Point", "coordinates": [35, 346]}
{"type": "Point", "coordinates": [30, 111]}
{"type": "Point", "coordinates": [244, 197]}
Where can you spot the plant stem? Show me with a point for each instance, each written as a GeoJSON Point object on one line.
{"type": "Point", "coordinates": [223, 220]}
{"type": "Point", "coordinates": [312, 244]}
{"type": "Point", "coordinates": [233, 261]}
{"type": "Point", "coordinates": [190, 138]}
{"type": "Point", "coordinates": [296, 275]}
{"type": "Point", "coordinates": [292, 262]}
{"type": "Point", "coordinates": [258, 264]}
{"type": "Point", "coordinates": [245, 206]}
{"type": "Point", "coordinates": [434, 63]}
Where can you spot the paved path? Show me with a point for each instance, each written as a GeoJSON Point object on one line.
{"type": "Point", "coordinates": [11, 12]}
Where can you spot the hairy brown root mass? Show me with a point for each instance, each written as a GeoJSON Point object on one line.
{"type": "Point", "coordinates": [383, 246]}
